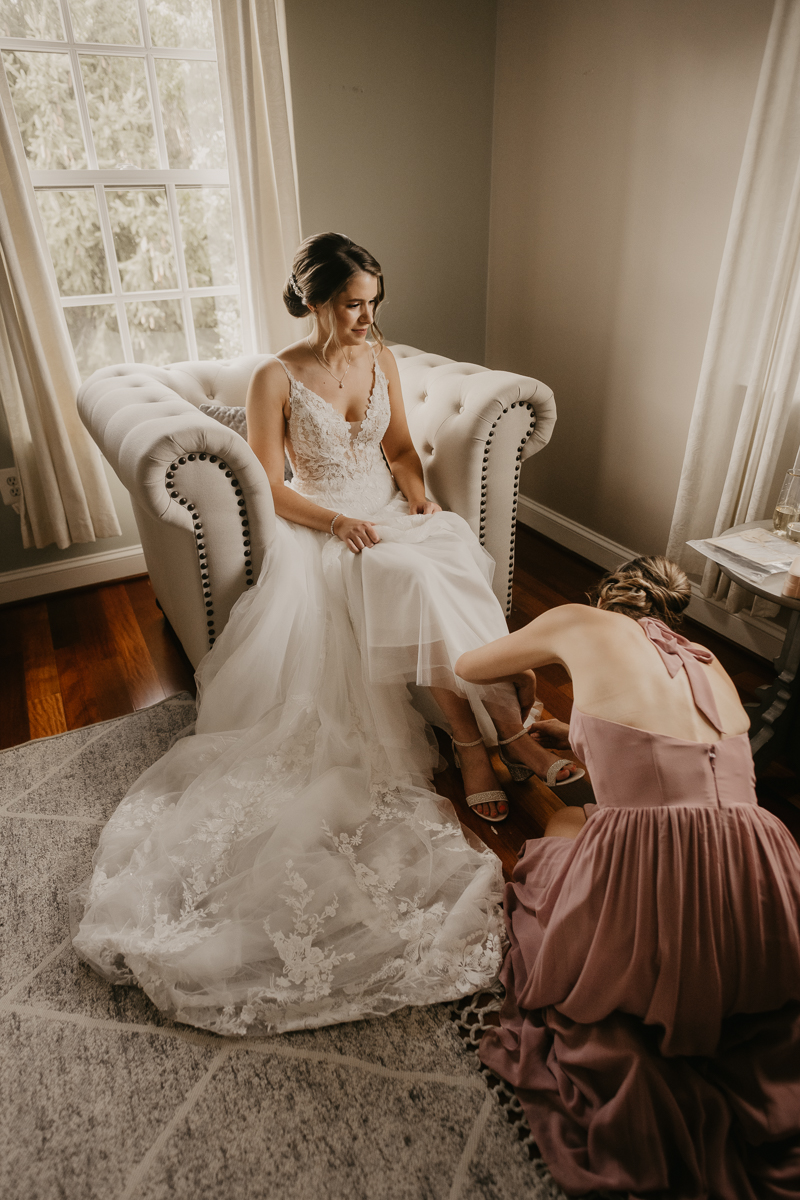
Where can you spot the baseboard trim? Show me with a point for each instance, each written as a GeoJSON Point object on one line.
{"type": "Point", "coordinates": [751, 633]}
{"type": "Point", "coordinates": [71, 573]}
{"type": "Point", "coordinates": [572, 536]}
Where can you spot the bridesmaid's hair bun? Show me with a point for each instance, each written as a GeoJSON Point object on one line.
{"type": "Point", "coordinates": [322, 267]}
{"type": "Point", "coordinates": [646, 587]}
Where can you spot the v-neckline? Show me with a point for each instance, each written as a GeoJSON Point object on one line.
{"type": "Point", "coordinates": [327, 403]}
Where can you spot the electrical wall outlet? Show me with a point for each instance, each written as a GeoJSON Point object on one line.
{"type": "Point", "coordinates": [10, 487]}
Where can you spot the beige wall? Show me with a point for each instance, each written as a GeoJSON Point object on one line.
{"type": "Point", "coordinates": [393, 125]}
{"type": "Point", "coordinates": [618, 134]}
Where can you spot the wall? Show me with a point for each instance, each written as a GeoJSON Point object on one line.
{"type": "Point", "coordinates": [393, 126]}
{"type": "Point", "coordinates": [618, 133]}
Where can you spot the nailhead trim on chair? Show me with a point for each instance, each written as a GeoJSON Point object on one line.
{"type": "Point", "coordinates": [202, 558]}
{"type": "Point", "coordinates": [484, 486]}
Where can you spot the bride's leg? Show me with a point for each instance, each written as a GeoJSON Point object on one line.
{"type": "Point", "coordinates": [476, 768]}
{"type": "Point", "coordinates": [507, 718]}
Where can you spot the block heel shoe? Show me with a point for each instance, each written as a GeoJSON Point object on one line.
{"type": "Point", "coordinates": [519, 772]}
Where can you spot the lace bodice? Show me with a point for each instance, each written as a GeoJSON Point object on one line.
{"type": "Point", "coordinates": [337, 464]}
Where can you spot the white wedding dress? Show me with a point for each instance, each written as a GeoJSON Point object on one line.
{"type": "Point", "coordinates": [289, 865]}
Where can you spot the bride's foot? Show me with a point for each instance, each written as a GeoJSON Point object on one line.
{"type": "Point", "coordinates": [479, 779]}
{"type": "Point", "coordinates": [525, 756]}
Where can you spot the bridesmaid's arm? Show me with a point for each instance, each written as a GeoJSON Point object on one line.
{"type": "Point", "coordinates": [538, 644]}
{"type": "Point", "coordinates": [398, 447]}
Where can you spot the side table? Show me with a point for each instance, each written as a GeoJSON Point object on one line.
{"type": "Point", "coordinates": [774, 724]}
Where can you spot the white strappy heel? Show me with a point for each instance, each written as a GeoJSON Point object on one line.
{"type": "Point", "coordinates": [493, 797]}
{"type": "Point", "coordinates": [519, 772]}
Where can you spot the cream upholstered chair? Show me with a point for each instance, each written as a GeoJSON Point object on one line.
{"type": "Point", "coordinates": [201, 498]}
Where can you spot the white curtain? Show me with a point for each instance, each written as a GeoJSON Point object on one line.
{"type": "Point", "coordinates": [65, 497]}
{"type": "Point", "coordinates": [254, 76]}
{"type": "Point", "coordinates": [746, 421]}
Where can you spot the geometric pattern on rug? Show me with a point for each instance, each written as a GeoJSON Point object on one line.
{"type": "Point", "coordinates": [105, 1098]}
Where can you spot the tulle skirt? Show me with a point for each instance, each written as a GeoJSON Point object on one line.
{"type": "Point", "coordinates": [288, 864]}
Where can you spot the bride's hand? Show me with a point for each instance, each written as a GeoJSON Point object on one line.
{"type": "Point", "coordinates": [356, 535]}
{"type": "Point", "coordinates": [423, 507]}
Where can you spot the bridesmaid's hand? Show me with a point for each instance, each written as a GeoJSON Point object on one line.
{"type": "Point", "coordinates": [423, 507]}
{"type": "Point", "coordinates": [356, 535]}
{"type": "Point", "coordinates": [554, 735]}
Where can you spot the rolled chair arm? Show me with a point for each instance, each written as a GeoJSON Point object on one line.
{"type": "Point", "coordinates": [202, 500]}
{"type": "Point", "coordinates": [473, 428]}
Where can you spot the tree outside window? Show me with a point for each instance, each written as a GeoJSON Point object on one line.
{"type": "Point", "coordinates": [120, 114]}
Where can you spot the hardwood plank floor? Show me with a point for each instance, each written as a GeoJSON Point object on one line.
{"type": "Point", "coordinates": [88, 655]}
{"type": "Point", "coordinates": [42, 687]}
{"type": "Point", "coordinates": [84, 656]}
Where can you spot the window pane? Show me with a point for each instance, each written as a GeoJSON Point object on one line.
{"type": "Point", "coordinates": [192, 110]}
{"type": "Point", "coordinates": [217, 326]}
{"type": "Point", "coordinates": [95, 336]}
{"type": "Point", "coordinates": [181, 23]}
{"type": "Point", "coordinates": [119, 111]}
{"type": "Point", "coordinates": [72, 229]}
{"type": "Point", "coordinates": [44, 103]}
{"type": "Point", "coordinates": [31, 18]}
{"type": "Point", "coordinates": [207, 231]}
{"type": "Point", "coordinates": [142, 238]}
{"type": "Point", "coordinates": [99, 21]}
{"type": "Point", "coordinates": [157, 331]}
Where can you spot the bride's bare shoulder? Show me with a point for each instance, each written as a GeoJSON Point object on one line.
{"type": "Point", "coordinates": [387, 363]}
{"type": "Point", "coordinates": [295, 355]}
{"type": "Point", "coordinates": [268, 380]}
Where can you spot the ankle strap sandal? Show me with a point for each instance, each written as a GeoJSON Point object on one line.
{"type": "Point", "coordinates": [493, 797]}
{"type": "Point", "coordinates": [519, 772]}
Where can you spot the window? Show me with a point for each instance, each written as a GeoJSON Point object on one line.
{"type": "Point", "coordinates": [119, 109]}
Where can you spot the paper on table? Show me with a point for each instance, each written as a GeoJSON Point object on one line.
{"type": "Point", "coordinates": [760, 546]}
{"type": "Point", "coordinates": [745, 567]}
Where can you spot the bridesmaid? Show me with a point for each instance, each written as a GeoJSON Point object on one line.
{"type": "Point", "coordinates": [651, 1026]}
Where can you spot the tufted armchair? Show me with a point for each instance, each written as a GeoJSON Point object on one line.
{"type": "Point", "coordinates": [201, 498]}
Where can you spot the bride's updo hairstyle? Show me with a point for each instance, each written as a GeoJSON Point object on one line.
{"type": "Point", "coordinates": [646, 587]}
{"type": "Point", "coordinates": [323, 266]}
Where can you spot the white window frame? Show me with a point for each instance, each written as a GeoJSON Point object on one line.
{"type": "Point", "coordinates": [162, 176]}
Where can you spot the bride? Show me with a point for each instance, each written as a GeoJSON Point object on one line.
{"type": "Point", "coordinates": [289, 865]}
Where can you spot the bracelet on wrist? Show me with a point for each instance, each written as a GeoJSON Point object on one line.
{"type": "Point", "coordinates": [333, 522]}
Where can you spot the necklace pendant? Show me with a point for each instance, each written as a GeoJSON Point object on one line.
{"type": "Point", "coordinates": [340, 386]}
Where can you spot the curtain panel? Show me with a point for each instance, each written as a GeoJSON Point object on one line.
{"type": "Point", "coordinates": [65, 496]}
{"type": "Point", "coordinates": [256, 103]}
{"type": "Point", "coordinates": [746, 420]}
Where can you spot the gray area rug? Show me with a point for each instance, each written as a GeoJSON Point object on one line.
{"type": "Point", "coordinates": [102, 1096]}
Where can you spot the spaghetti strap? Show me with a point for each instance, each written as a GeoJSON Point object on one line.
{"type": "Point", "coordinates": [676, 652]}
{"type": "Point", "coordinates": [286, 369]}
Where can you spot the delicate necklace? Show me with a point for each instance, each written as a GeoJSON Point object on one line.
{"type": "Point", "coordinates": [325, 366]}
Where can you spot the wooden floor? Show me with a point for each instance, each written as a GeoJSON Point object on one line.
{"type": "Point", "coordinates": [88, 655]}
{"type": "Point", "coordinates": [78, 657]}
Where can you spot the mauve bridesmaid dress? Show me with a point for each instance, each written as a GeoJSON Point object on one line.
{"type": "Point", "coordinates": [651, 1026]}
